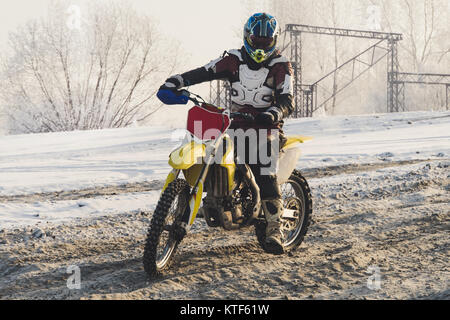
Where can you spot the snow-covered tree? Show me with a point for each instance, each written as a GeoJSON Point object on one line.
{"type": "Point", "coordinates": [425, 46]}
{"type": "Point", "coordinates": [84, 69]}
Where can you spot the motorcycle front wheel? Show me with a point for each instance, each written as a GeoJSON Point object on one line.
{"type": "Point", "coordinates": [164, 233]}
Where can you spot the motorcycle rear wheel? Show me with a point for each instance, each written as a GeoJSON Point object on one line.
{"type": "Point", "coordinates": [163, 235]}
{"type": "Point", "coordinates": [296, 196]}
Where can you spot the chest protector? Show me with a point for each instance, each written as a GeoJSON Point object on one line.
{"type": "Point", "coordinates": [250, 90]}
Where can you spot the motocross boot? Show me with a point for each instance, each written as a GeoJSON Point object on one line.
{"type": "Point", "coordinates": [273, 210]}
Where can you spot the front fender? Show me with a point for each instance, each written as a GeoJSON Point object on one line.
{"type": "Point", "coordinates": [187, 156]}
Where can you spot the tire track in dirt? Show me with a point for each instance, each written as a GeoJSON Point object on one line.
{"type": "Point", "coordinates": [97, 267]}
{"type": "Point", "coordinates": [46, 263]}
{"type": "Point", "coordinates": [355, 168]}
{"type": "Point", "coordinates": [86, 193]}
{"type": "Point", "coordinates": [349, 234]}
{"type": "Point", "coordinates": [158, 184]}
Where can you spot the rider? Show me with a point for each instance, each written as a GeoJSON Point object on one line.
{"type": "Point", "coordinates": [261, 84]}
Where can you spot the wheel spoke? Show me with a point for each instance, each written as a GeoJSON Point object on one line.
{"type": "Point", "coordinates": [292, 200]}
{"type": "Point", "coordinates": [166, 242]}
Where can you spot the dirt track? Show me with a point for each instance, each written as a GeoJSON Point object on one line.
{"type": "Point", "coordinates": [392, 216]}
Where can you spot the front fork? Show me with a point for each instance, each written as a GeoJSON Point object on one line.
{"type": "Point", "coordinates": [195, 197]}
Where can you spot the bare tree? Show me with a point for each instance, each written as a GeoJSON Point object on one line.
{"type": "Point", "coordinates": [101, 73]}
{"type": "Point", "coordinates": [336, 60]}
{"type": "Point", "coordinates": [425, 48]}
{"type": "Point", "coordinates": [424, 24]}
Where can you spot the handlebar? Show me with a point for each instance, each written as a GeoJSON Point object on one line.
{"type": "Point", "coordinates": [198, 100]}
{"type": "Point", "coordinates": [193, 97]}
{"type": "Point", "coordinates": [243, 116]}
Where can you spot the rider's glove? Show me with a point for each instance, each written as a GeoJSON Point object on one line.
{"type": "Point", "coordinates": [170, 92]}
{"type": "Point", "coordinates": [174, 83]}
{"type": "Point", "coordinates": [270, 117]}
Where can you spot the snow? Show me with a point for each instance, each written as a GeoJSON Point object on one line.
{"type": "Point", "coordinates": [15, 214]}
{"type": "Point", "coordinates": [44, 163]}
{"type": "Point", "coordinates": [374, 138]}
{"type": "Point", "coordinates": [76, 160]}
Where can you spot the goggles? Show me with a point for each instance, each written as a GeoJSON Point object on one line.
{"type": "Point", "coordinates": [261, 42]}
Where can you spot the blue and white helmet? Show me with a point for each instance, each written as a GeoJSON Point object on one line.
{"type": "Point", "coordinates": [260, 36]}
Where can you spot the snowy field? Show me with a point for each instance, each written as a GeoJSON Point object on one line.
{"type": "Point", "coordinates": [380, 186]}
{"type": "Point", "coordinates": [71, 161]}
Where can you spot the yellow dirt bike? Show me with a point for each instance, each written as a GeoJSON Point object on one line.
{"type": "Point", "coordinates": [232, 195]}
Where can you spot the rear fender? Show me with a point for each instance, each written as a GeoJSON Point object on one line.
{"type": "Point", "coordinates": [289, 157]}
{"type": "Point", "coordinates": [294, 141]}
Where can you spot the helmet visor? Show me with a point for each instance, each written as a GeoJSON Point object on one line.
{"type": "Point", "coordinates": [261, 42]}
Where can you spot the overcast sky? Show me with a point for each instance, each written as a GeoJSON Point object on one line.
{"type": "Point", "coordinates": [205, 28]}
